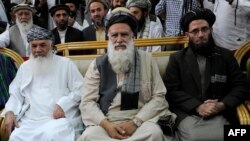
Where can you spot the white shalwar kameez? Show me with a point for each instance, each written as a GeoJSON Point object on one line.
{"type": "Point", "coordinates": [33, 100]}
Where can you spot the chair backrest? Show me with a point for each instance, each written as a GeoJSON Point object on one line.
{"type": "Point", "coordinates": [242, 55]}
{"type": "Point", "coordinates": [13, 55]}
{"type": "Point", "coordinates": [83, 61]}
{"type": "Point", "coordinates": [66, 47]}
{"type": "Point", "coordinates": [248, 69]}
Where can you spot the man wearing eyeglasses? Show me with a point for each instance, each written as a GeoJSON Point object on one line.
{"type": "Point", "coordinates": [124, 94]}
{"type": "Point", "coordinates": [204, 82]}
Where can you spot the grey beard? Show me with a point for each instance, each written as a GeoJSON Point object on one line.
{"type": "Point", "coordinates": [24, 26]}
{"type": "Point", "coordinates": [121, 64]}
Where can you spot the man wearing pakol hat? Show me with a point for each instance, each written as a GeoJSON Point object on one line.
{"type": "Point", "coordinates": [62, 32]}
{"type": "Point", "coordinates": [149, 26]}
{"type": "Point", "coordinates": [16, 37]}
{"type": "Point", "coordinates": [124, 94]}
{"type": "Point", "coordinates": [205, 83]}
{"type": "Point", "coordinates": [45, 95]}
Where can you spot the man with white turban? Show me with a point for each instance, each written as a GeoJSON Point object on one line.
{"type": "Point", "coordinates": [45, 95]}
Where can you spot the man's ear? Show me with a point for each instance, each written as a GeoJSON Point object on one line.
{"type": "Point", "coordinates": [133, 35]}
{"type": "Point", "coordinates": [211, 30]}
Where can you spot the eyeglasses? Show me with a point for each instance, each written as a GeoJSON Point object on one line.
{"type": "Point", "coordinates": [203, 30]}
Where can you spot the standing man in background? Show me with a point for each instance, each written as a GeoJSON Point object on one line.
{"type": "Point", "coordinates": [98, 10]}
{"type": "Point", "coordinates": [232, 27]}
{"type": "Point", "coordinates": [149, 25]}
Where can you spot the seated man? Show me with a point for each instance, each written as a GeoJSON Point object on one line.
{"type": "Point", "coordinates": [7, 74]}
{"type": "Point", "coordinates": [45, 95]}
{"type": "Point", "coordinates": [124, 94]}
{"type": "Point", "coordinates": [204, 82]}
{"type": "Point", "coordinates": [15, 37]}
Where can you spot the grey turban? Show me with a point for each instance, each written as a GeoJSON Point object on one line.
{"type": "Point", "coordinates": [38, 33]}
{"type": "Point", "coordinates": [145, 5]}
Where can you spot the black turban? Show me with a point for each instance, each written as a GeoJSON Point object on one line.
{"type": "Point", "coordinates": [55, 8]}
{"type": "Point", "coordinates": [196, 14]}
{"type": "Point", "coordinates": [121, 15]}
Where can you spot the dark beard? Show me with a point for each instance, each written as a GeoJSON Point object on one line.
{"type": "Point", "coordinates": [62, 26]}
{"type": "Point", "coordinates": [204, 49]}
{"type": "Point", "coordinates": [141, 23]}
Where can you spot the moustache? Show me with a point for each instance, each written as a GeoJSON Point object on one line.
{"type": "Point", "coordinates": [120, 44]}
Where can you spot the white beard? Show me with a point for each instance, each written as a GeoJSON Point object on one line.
{"type": "Point", "coordinates": [24, 26]}
{"type": "Point", "coordinates": [41, 65]}
{"type": "Point", "coordinates": [120, 60]}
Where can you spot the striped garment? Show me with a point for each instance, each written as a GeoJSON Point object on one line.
{"type": "Point", "coordinates": [174, 9]}
{"type": "Point", "coordinates": [7, 73]}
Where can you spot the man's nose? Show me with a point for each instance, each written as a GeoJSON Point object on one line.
{"type": "Point", "coordinates": [23, 16]}
{"type": "Point", "coordinates": [61, 17]}
{"type": "Point", "coordinates": [119, 38]}
{"type": "Point", "coordinates": [38, 49]}
{"type": "Point", "coordinates": [200, 33]}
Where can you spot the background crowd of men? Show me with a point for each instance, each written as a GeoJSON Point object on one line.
{"type": "Point", "coordinates": [156, 18]}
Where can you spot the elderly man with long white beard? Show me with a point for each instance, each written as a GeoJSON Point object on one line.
{"type": "Point", "coordinates": [124, 94]}
{"type": "Point", "coordinates": [45, 95]}
{"type": "Point", "coordinates": [15, 37]}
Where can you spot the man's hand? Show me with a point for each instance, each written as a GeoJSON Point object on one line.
{"type": "Point", "coordinates": [10, 122]}
{"type": "Point", "coordinates": [210, 108]}
{"type": "Point", "coordinates": [114, 131]}
{"type": "Point", "coordinates": [129, 127]}
{"type": "Point", "coordinates": [58, 112]}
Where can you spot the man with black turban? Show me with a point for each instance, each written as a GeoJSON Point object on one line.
{"type": "Point", "coordinates": [205, 83]}
{"type": "Point", "coordinates": [124, 94]}
{"type": "Point", "coordinates": [45, 95]}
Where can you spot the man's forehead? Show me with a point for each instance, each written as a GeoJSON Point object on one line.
{"type": "Point", "coordinates": [95, 5]}
{"type": "Point", "coordinates": [199, 22]}
{"type": "Point", "coordinates": [23, 10]}
{"type": "Point", "coordinates": [60, 12]}
{"type": "Point", "coordinates": [117, 26]}
{"type": "Point", "coordinates": [118, 1]}
{"type": "Point", "coordinates": [40, 41]}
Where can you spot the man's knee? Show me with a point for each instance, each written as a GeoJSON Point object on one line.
{"type": "Point", "coordinates": [154, 129]}
{"type": "Point", "coordinates": [90, 132]}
